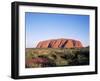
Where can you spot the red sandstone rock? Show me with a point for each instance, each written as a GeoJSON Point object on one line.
{"type": "Point", "coordinates": [60, 43]}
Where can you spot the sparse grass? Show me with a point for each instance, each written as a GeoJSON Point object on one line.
{"type": "Point", "coordinates": [54, 57]}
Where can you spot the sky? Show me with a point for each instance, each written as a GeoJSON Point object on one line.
{"type": "Point", "coordinates": [44, 26]}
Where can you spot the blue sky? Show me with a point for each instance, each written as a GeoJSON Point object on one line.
{"type": "Point", "coordinates": [43, 26]}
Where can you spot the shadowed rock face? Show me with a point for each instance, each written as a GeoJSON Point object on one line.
{"type": "Point", "coordinates": [60, 43]}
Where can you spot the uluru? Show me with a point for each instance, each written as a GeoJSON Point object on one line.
{"type": "Point", "coordinates": [60, 43]}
